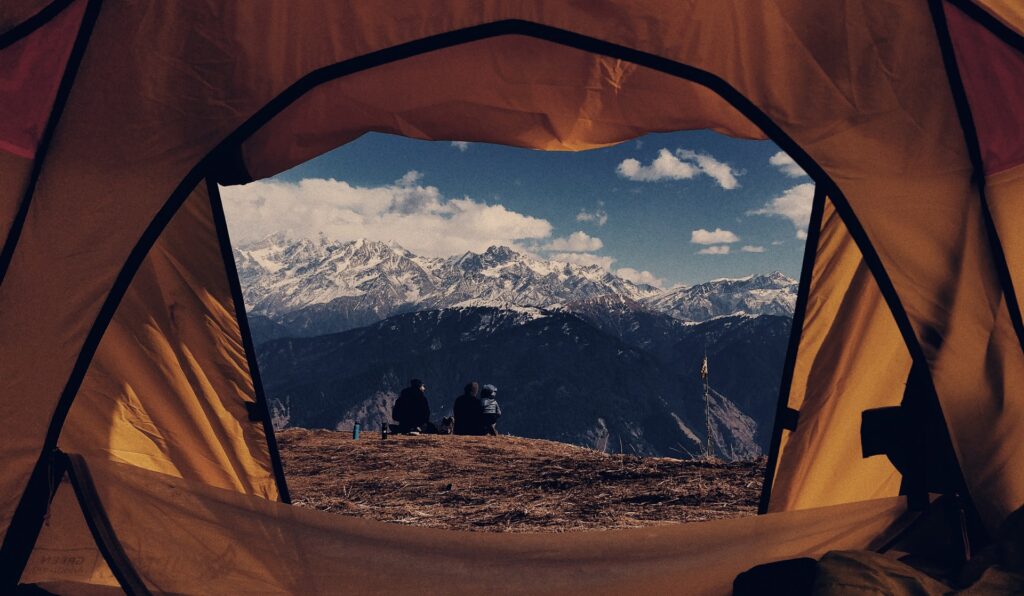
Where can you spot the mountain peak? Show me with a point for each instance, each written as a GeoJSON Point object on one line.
{"type": "Point", "coordinates": [781, 277]}
{"type": "Point", "coordinates": [772, 293]}
{"type": "Point", "coordinates": [321, 285]}
{"type": "Point", "coordinates": [502, 253]}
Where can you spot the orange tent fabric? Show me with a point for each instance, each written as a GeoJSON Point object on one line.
{"type": "Point", "coordinates": [851, 357]}
{"type": "Point", "coordinates": [218, 542]}
{"type": "Point", "coordinates": [116, 325]}
{"type": "Point", "coordinates": [177, 384]}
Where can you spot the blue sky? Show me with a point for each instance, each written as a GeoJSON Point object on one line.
{"type": "Point", "coordinates": [683, 207]}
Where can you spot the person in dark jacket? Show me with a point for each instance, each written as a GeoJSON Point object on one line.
{"type": "Point", "coordinates": [467, 410]}
{"type": "Point", "coordinates": [411, 411]}
{"type": "Point", "coordinates": [490, 411]}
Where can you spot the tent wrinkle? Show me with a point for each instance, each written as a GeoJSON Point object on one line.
{"type": "Point", "coordinates": [282, 549]}
{"type": "Point", "coordinates": [261, 406]}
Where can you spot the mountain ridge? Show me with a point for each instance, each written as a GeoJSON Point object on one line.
{"type": "Point", "coordinates": [559, 377]}
{"type": "Point", "coordinates": [303, 287]}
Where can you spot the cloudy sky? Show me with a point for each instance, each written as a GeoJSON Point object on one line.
{"type": "Point", "coordinates": [664, 209]}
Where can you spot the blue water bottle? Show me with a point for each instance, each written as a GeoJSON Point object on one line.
{"type": "Point", "coordinates": [355, 431]}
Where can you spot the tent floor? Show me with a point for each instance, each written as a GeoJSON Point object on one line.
{"type": "Point", "coordinates": [507, 484]}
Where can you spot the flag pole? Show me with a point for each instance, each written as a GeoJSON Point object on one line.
{"type": "Point", "coordinates": [709, 450]}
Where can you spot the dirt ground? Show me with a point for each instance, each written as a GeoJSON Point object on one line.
{"type": "Point", "coordinates": [507, 484]}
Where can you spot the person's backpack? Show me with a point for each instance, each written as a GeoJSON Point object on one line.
{"type": "Point", "coordinates": [490, 406]}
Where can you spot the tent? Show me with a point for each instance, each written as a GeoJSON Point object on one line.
{"type": "Point", "coordinates": [137, 448]}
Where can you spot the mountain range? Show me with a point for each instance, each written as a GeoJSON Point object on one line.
{"type": "Point", "coordinates": [579, 354]}
{"type": "Point", "coordinates": [302, 287]}
{"type": "Point", "coordinates": [559, 377]}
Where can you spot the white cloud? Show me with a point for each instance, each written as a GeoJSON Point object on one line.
{"type": "Point", "coordinates": [418, 217]}
{"type": "Point", "coordinates": [640, 277]}
{"type": "Point", "coordinates": [409, 178]}
{"type": "Point", "coordinates": [460, 145]}
{"type": "Point", "coordinates": [786, 165]}
{"type": "Point", "coordinates": [777, 242]}
{"type": "Point", "coordinates": [664, 167]}
{"type": "Point", "coordinates": [576, 242]}
{"type": "Point", "coordinates": [684, 164]}
{"type": "Point", "coordinates": [794, 205]}
{"type": "Point", "coordinates": [719, 236]}
{"type": "Point", "coordinates": [714, 250]}
{"type": "Point", "coordinates": [722, 172]}
{"type": "Point", "coordinates": [598, 216]}
{"type": "Point", "coordinates": [749, 248]}
{"type": "Point", "coordinates": [585, 259]}
{"type": "Point", "coordinates": [801, 234]}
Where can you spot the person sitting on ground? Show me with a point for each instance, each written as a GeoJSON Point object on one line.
{"type": "Point", "coordinates": [467, 410]}
{"type": "Point", "coordinates": [490, 411]}
{"type": "Point", "coordinates": [411, 411]}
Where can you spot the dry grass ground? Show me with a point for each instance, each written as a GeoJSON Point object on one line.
{"type": "Point", "coordinates": [507, 484]}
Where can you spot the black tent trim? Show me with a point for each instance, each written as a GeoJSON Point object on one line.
{"type": "Point", "coordinates": [28, 516]}
{"type": "Point", "coordinates": [29, 25]}
{"type": "Point", "coordinates": [963, 108]}
{"type": "Point", "coordinates": [997, 27]}
{"type": "Point", "coordinates": [32, 508]}
{"type": "Point", "coordinates": [795, 332]}
{"type": "Point", "coordinates": [100, 527]}
{"type": "Point", "coordinates": [230, 269]}
{"type": "Point", "coordinates": [63, 91]}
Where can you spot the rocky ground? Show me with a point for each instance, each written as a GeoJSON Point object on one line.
{"type": "Point", "coordinates": [508, 484]}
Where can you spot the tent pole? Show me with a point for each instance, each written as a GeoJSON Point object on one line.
{"type": "Point", "coordinates": [966, 117]}
{"type": "Point", "coordinates": [99, 524]}
{"type": "Point", "coordinates": [231, 271]}
{"type": "Point", "coordinates": [795, 332]}
{"type": "Point", "coordinates": [26, 521]}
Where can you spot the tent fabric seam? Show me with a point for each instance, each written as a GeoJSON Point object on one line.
{"type": "Point", "coordinates": [63, 92]}
{"type": "Point", "coordinates": [32, 23]}
{"type": "Point", "coordinates": [422, 46]}
{"type": "Point", "coordinates": [21, 543]}
{"type": "Point", "coordinates": [966, 117]}
{"type": "Point", "coordinates": [261, 404]}
{"type": "Point", "coordinates": [990, 22]}
{"type": "Point", "coordinates": [795, 334]}
{"type": "Point", "coordinates": [99, 525]}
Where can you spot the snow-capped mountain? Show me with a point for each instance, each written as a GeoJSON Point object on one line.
{"type": "Point", "coordinates": [279, 275]}
{"type": "Point", "coordinates": [302, 287]}
{"type": "Point", "coordinates": [772, 294]}
{"type": "Point", "coordinates": [579, 352]}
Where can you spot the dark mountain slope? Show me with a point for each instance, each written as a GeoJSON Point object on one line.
{"type": "Point", "coordinates": [559, 378]}
{"type": "Point", "coordinates": [746, 355]}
